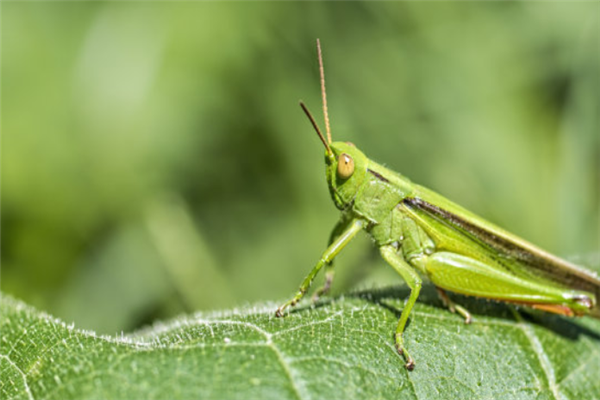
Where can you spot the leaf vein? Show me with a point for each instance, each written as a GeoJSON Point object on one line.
{"type": "Point", "coordinates": [594, 353]}
{"type": "Point", "coordinates": [23, 375]}
{"type": "Point", "coordinates": [311, 323]}
{"type": "Point", "coordinates": [286, 367]}
{"type": "Point", "coordinates": [545, 363]}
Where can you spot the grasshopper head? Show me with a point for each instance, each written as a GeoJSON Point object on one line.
{"type": "Point", "coordinates": [346, 167]}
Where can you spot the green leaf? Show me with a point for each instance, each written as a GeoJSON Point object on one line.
{"type": "Point", "coordinates": [339, 348]}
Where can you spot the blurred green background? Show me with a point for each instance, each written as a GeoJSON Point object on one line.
{"type": "Point", "coordinates": [155, 160]}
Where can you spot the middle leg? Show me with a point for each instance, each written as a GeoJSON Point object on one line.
{"type": "Point", "coordinates": [408, 273]}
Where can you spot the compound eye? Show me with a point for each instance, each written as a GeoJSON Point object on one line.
{"type": "Point", "coordinates": [345, 167]}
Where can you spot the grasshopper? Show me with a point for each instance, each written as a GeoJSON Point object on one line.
{"type": "Point", "coordinates": [421, 233]}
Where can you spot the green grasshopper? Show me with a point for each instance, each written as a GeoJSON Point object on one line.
{"type": "Point", "coordinates": [419, 231]}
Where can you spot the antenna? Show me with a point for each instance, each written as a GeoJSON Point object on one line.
{"type": "Point", "coordinates": [323, 93]}
{"type": "Point", "coordinates": [314, 124]}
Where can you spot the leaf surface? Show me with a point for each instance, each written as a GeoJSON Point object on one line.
{"type": "Point", "coordinates": [339, 348]}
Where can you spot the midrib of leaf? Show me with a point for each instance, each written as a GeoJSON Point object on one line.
{"type": "Point", "coordinates": [340, 349]}
{"type": "Point", "coordinates": [541, 355]}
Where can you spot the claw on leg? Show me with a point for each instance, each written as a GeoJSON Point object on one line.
{"type": "Point", "coordinates": [279, 312]}
{"type": "Point", "coordinates": [410, 362]}
{"type": "Point", "coordinates": [453, 307]}
{"type": "Point", "coordinates": [291, 303]}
